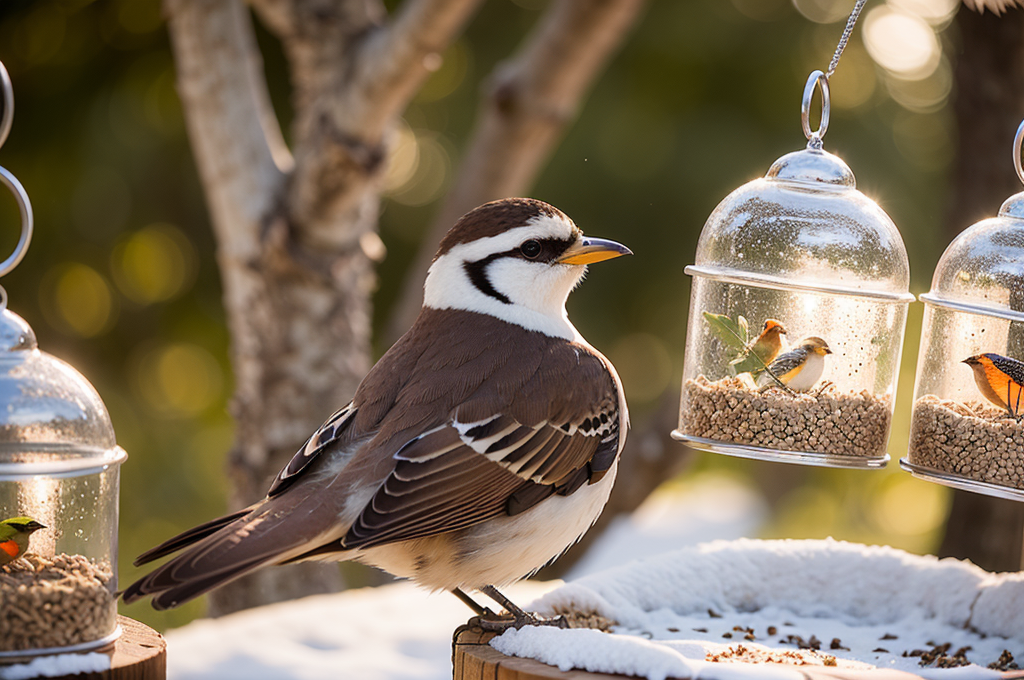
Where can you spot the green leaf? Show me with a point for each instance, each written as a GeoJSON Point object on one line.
{"type": "Point", "coordinates": [730, 332]}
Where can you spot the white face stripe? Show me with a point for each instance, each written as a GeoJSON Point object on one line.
{"type": "Point", "coordinates": [537, 291]}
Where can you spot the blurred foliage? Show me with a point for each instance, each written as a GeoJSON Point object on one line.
{"type": "Point", "coordinates": [122, 281]}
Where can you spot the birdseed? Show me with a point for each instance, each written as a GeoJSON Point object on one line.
{"type": "Point", "coordinates": [54, 602]}
{"type": "Point", "coordinates": [972, 440]}
{"type": "Point", "coordinates": [822, 421]}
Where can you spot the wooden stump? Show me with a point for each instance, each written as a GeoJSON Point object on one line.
{"type": "Point", "coordinates": [139, 654]}
{"type": "Point", "coordinates": [474, 659]}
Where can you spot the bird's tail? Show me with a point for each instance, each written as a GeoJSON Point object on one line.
{"type": "Point", "coordinates": [187, 538]}
{"type": "Point", "coordinates": [220, 551]}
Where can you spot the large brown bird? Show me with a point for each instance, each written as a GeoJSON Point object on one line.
{"type": "Point", "coordinates": [481, 445]}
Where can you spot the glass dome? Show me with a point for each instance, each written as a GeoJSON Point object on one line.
{"type": "Point", "coordinates": [59, 477]}
{"type": "Point", "coordinates": [797, 311]}
{"type": "Point", "coordinates": [966, 429]}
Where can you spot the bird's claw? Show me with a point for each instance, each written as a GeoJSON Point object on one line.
{"type": "Point", "coordinates": [504, 621]}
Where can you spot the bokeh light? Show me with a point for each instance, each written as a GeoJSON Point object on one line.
{"type": "Point", "coordinates": [153, 264]}
{"type": "Point", "coordinates": [77, 300]}
{"type": "Point", "coordinates": [455, 66]}
{"type": "Point", "coordinates": [901, 42]}
{"type": "Point", "coordinates": [431, 172]}
{"type": "Point", "coordinates": [823, 11]}
{"type": "Point", "coordinates": [177, 380]}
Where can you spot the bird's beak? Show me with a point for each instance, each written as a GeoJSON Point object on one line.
{"type": "Point", "coordinates": [36, 526]}
{"type": "Point", "coordinates": [590, 250]}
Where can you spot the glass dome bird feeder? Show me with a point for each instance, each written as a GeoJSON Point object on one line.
{"type": "Point", "coordinates": [797, 313]}
{"type": "Point", "coordinates": [59, 478]}
{"type": "Point", "coordinates": [967, 430]}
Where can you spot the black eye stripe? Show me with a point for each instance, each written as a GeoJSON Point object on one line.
{"type": "Point", "coordinates": [550, 249]}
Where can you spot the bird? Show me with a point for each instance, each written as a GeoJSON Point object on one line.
{"type": "Point", "coordinates": [799, 368]}
{"type": "Point", "coordinates": [763, 350]}
{"type": "Point", "coordinates": [14, 537]}
{"type": "Point", "coordinates": [999, 379]}
{"type": "Point", "coordinates": [481, 446]}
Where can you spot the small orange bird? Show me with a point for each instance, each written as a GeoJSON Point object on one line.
{"type": "Point", "coordinates": [999, 378]}
{"type": "Point", "coordinates": [766, 347]}
{"type": "Point", "coordinates": [14, 534]}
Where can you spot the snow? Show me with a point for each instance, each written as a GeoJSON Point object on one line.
{"type": "Point", "coordinates": [674, 608]}
{"type": "Point", "coordinates": [394, 631]}
{"type": "Point", "coordinates": [400, 632]}
{"type": "Point", "coordinates": [56, 665]}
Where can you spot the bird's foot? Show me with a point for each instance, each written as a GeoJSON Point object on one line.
{"type": "Point", "coordinates": [517, 618]}
{"type": "Point", "coordinates": [504, 621]}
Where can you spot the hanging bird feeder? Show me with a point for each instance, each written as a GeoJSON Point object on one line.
{"type": "Point", "coordinates": [797, 311]}
{"type": "Point", "coordinates": [967, 429]}
{"type": "Point", "coordinates": [59, 474]}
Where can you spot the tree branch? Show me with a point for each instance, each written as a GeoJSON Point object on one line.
{"type": "Point", "coordinates": [531, 100]}
{"type": "Point", "coordinates": [352, 74]}
{"type": "Point", "coordinates": [241, 155]}
{"type": "Point", "coordinates": [395, 62]}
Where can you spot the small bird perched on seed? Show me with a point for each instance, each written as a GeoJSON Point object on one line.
{"type": "Point", "coordinates": [14, 537]}
{"type": "Point", "coordinates": [999, 378]}
{"type": "Point", "coordinates": [482, 444]}
{"type": "Point", "coordinates": [799, 368]}
{"type": "Point", "coordinates": [766, 347]}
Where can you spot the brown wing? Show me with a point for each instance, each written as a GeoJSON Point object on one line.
{"type": "Point", "coordinates": [463, 474]}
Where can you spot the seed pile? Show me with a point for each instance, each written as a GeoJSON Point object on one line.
{"type": "Point", "coordinates": [744, 654]}
{"type": "Point", "coordinates": [54, 602]}
{"type": "Point", "coordinates": [823, 421]}
{"type": "Point", "coordinates": [972, 440]}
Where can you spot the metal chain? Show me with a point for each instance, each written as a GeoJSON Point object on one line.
{"type": "Point", "coordinates": [850, 23]}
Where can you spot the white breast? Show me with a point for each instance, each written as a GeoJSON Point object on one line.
{"type": "Point", "coordinates": [500, 551]}
{"type": "Point", "coordinates": [806, 379]}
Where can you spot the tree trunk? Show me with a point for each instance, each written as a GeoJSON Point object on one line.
{"type": "Point", "coordinates": [988, 103]}
{"type": "Point", "coordinates": [297, 237]}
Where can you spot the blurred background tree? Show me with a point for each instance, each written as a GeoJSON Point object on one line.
{"type": "Point", "coordinates": [123, 281]}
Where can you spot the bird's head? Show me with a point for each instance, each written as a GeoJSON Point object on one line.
{"type": "Point", "coordinates": [773, 327]}
{"type": "Point", "coordinates": [979, 363]}
{"type": "Point", "coordinates": [816, 345]}
{"type": "Point", "coordinates": [24, 525]}
{"type": "Point", "coordinates": [516, 259]}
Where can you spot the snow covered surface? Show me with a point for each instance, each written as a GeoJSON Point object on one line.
{"type": "Point", "coordinates": [399, 632]}
{"type": "Point", "coordinates": [865, 605]}
{"type": "Point", "coordinates": [56, 665]}
{"type": "Point", "coordinates": [395, 631]}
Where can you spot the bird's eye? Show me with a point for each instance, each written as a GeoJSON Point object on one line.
{"type": "Point", "coordinates": [530, 249]}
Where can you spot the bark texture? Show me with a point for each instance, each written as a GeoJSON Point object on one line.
{"type": "Point", "coordinates": [296, 231]}
{"type": "Point", "coordinates": [988, 103]}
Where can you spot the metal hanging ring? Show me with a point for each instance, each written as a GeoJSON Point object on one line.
{"type": "Point", "coordinates": [25, 208]}
{"type": "Point", "coordinates": [814, 137]}
{"type": "Point", "coordinates": [1017, 141]}
{"type": "Point", "coordinates": [8, 90]}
